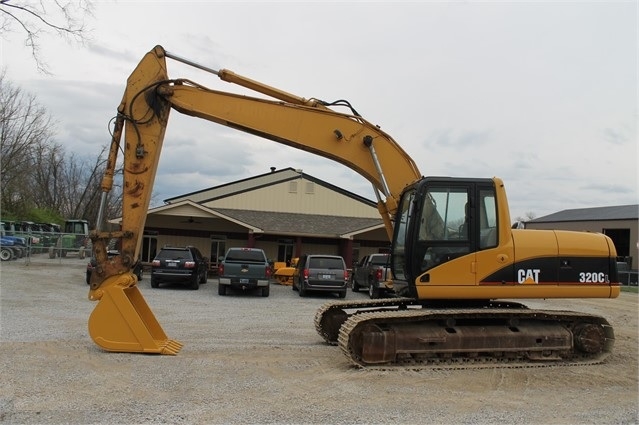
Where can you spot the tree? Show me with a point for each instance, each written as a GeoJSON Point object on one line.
{"type": "Point", "coordinates": [530, 215]}
{"type": "Point", "coordinates": [36, 19]}
{"type": "Point", "coordinates": [82, 181]}
{"type": "Point", "coordinates": [25, 128]}
{"type": "Point", "coordinates": [36, 174]}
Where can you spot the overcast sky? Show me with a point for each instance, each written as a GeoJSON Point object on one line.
{"type": "Point", "coordinates": [541, 94]}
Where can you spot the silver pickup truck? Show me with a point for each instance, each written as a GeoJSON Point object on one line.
{"type": "Point", "coordinates": [372, 272]}
{"type": "Point", "coordinates": [244, 269]}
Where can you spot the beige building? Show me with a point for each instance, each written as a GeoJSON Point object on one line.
{"type": "Point", "coordinates": [285, 212]}
{"type": "Point", "coordinates": [620, 223]}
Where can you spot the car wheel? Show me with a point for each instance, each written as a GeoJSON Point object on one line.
{"type": "Point", "coordinates": [355, 285]}
{"type": "Point", "coordinates": [373, 291]}
{"type": "Point", "coordinates": [342, 294]}
{"type": "Point", "coordinates": [154, 282]}
{"type": "Point", "coordinates": [205, 277]}
{"type": "Point", "coordinates": [88, 278]}
{"type": "Point", "coordinates": [302, 290]}
{"type": "Point", "coordinates": [6, 254]}
{"type": "Point", "coordinates": [195, 282]}
{"type": "Point", "coordinates": [265, 290]}
{"type": "Point", "coordinates": [221, 289]}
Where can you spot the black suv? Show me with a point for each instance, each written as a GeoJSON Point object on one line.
{"type": "Point", "coordinates": [325, 273]}
{"type": "Point", "coordinates": [179, 265]}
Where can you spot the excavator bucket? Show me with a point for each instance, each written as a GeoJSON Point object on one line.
{"type": "Point", "coordinates": [123, 322]}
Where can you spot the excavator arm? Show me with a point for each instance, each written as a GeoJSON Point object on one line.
{"type": "Point", "coordinates": [122, 321]}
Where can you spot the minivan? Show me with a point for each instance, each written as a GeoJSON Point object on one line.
{"type": "Point", "coordinates": [316, 272]}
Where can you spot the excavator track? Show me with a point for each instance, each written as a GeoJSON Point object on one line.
{"type": "Point", "coordinates": [330, 317]}
{"type": "Point", "coordinates": [474, 338]}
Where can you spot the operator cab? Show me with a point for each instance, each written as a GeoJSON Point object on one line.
{"type": "Point", "coordinates": [440, 219]}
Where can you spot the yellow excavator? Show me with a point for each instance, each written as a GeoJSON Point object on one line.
{"type": "Point", "coordinates": [457, 264]}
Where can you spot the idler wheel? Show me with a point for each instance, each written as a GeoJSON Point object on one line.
{"type": "Point", "coordinates": [331, 323]}
{"type": "Point", "coordinates": [589, 338]}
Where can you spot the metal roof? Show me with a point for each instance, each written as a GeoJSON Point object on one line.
{"type": "Point", "coordinates": [619, 212]}
{"type": "Point", "coordinates": [301, 224]}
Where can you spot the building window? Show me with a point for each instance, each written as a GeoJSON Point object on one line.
{"type": "Point", "coordinates": [218, 249]}
{"type": "Point", "coordinates": [285, 250]}
{"type": "Point", "coordinates": [149, 246]}
{"type": "Point", "coordinates": [310, 187]}
{"type": "Point", "coordinates": [292, 186]}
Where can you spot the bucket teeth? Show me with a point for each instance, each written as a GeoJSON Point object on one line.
{"type": "Point", "coordinates": [172, 347]}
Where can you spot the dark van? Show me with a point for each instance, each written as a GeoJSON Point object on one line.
{"type": "Point", "coordinates": [315, 272]}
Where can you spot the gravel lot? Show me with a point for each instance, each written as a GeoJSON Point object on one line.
{"type": "Point", "coordinates": [248, 359]}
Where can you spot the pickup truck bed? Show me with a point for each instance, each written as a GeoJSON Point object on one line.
{"type": "Point", "coordinates": [244, 269]}
{"type": "Point", "coordinates": [372, 273]}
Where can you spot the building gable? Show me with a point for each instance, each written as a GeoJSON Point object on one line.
{"type": "Point", "coordinates": [286, 190]}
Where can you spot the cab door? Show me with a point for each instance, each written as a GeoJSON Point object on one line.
{"type": "Point", "coordinates": [495, 251]}
{"type": "Point", "coordinates": [445, 238]}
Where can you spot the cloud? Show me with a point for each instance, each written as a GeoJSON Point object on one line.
{"type": "Point", "coordinates": [457, 138]}
{"type": "Point", "coordinates": [124, 55]}
{"type": "Point", "coordinates": [619, 190]}
{"type": "Point", "coordinates": [542, 94]}
{"type": "Point", "coordinates": [615, 136]}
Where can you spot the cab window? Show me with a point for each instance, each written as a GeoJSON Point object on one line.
{"type": "Point", "coordinates": [488, 237]}
{"type": "Point", "coordinates": [445, 215]}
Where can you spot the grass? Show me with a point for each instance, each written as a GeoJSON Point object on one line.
{"type": "Point", "coordinates": [633, 289]}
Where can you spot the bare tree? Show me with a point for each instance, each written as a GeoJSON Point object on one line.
{"type": "Point", "coordinates": [45, 176]}
{"type": "Point", "coordinates": [530, 215]}
{"type": "Point", "coordinates": [82, 181]}
{"type": "Point", "coordinates": [37, 19]}
{"type": "Point", "coordinates": [25, 127]}
{"type": "Point", "coordinates": [36, 172]}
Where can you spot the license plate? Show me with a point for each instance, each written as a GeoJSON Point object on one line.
{"type": "Point", "coordinates": [326, 276]}
{"type": "Point", "coordinates": [171, 264]}
{"type": "Point", "coordinates": [244, 281]}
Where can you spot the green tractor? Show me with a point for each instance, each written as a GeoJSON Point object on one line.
{"type": "Point", "coordinates": [74, 240]}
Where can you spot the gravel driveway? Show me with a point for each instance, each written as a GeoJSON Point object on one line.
{"type": "Point", "coordinates": [248, 359]}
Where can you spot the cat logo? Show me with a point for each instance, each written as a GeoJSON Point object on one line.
{"type": "Point", "coordinates": [528, 276]}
